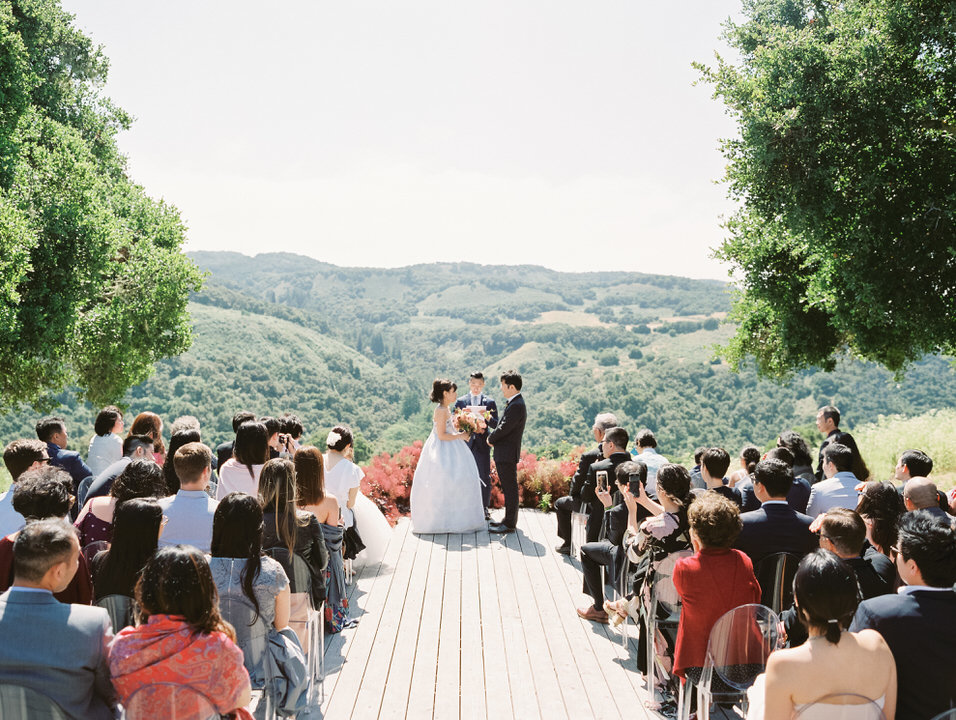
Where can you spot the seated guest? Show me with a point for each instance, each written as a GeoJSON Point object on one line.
{"type": "Point", "coordinates": [799, 493]}
{"type": "Point", "coordinates": [881, 507]}
{"type": "Point", "coordinates": [917, 622]}
{"type": "Point", "coordinates": [749, 457]}
{"type": "Point", "coordinates": [139, 523]}
{"type": "Point", "coordinates": [285, 526]}
{"type": "Point", "coordinates": [597, 555]}
{"type": "Point", "coordinates": [696, 480]}
{"type": "Point", "coordinates": [224, 450]}
{"type": "Point", "coordinates": [838, 489]}
{"type": "Point", "coordinates": [775, 527]}
{"type": "Point", "coordinates": [920, 493]}
{"type": "Point", "coordinates": [833, 661]}
{"type": "Point", "coordinates": [802, 460]}
{"type": "Point", "coordinates": [135, 447]}
{"type": "Point", "coordinates": [571, 502]}
{"type": "Point", "coordinates": [106, 445]}
{"type": "Point", "coordinates": [713, 466]}
{"type": "Point", "coordinates": [614, 447]}
{"type": "Point", "coordinates": [176, 441]}
{"type": "Point", "coordinates": [150, 424]}
{"type": "Point", "coordinates": [142, 478]}
{"type": "Point", "coordinates": [917, 464]}
{"type": "Point", "coordinates": [273, 430]}
{"type": "Point", "coordinates": [240, 569]}
{"type": "Point", "coordinates": [52, 431]}
{"type": "Point", "coordinates": [646, 446]}
{"type": "Point", "coordinates": [182, 640]}
{"type": "Point", "coordinates": [191, 510]}
{"type": "Point", "coordinates": [291, 430]}
{"type": "Point", "coordinates": [18, 457]}
{"type": "Point", "coordinates": [43, 494]}
{"type": "Point", "coordinates": [843, 533]}
{"type": "Point", "coordinates": [240, 473]}
{"type": "Point", "coordinates": [711, 582]}
{"type": "Point", "coordinates": [58, 650]}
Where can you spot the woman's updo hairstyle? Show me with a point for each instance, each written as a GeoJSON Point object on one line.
{"type": "Point", "coordinates": [826, 593]}
{"type": "Point", "coordinates": [439, 388]}
{"type": "Point", "coordinates": [340, 437]}
{"type": "Point", "coordinates": [675, 481]}
{"type": "Point", "coordinates": [751, 456]}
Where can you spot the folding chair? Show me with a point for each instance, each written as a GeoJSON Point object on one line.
{"type": "Point", "coordinates": [19, 701]}
{"type": "Point", "coordinates": [170, 701]}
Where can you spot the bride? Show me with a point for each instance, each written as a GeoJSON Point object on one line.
{"type": "Point", "coordinates": [446, 489]}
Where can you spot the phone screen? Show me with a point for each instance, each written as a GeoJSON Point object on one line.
{"type": "Point", "coordinates": [602, 480]}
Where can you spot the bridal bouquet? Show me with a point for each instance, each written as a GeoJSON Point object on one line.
{"type": "Point", "coordinates": [466, 421]}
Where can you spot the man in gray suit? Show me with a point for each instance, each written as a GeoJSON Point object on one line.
{"type": "Point", "coordinates": [55, 649]}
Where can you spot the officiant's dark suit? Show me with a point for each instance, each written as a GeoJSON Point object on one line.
{"type": "Point", "coordinates": [506, 444]}
{"type": "Point", "coordinates": [478, 443]}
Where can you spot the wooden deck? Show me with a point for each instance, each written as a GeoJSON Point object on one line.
{"type": "Point", "coordinates": [478, 626]}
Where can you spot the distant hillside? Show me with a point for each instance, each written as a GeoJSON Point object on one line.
{"type": "Point", "coordinates": [361, 345]}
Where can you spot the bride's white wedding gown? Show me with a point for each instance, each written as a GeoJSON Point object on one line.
{"type": "Point", "coordinates": [446, 489]}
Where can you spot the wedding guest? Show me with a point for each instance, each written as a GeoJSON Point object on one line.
{"type": "Point", "coordinates": [176, 441]}
{"type": "Point", "coordinates": [43, 494]}
{"type": "Point", "coordinates": [713, 466]}
{"type": "Point", "coordinates": [239, 568]}
{"type": "Point", "coordinates": [833, 661]}
{"type": "Point", "coordinates": [56, 649]}
{"type": "Point", "coordinates": [106, 445]}
{"type": "Point", "coordinates": [920, 493]}
{"type": "Point", "coordinates": [696, 480]}
{"type": "Point", "coordinates": [748, 459]}
{"type": "Point", "coordinates": [571, 502]}
{"type": "Point", "coordinates": [135, 447]}
{"type": "Point", "coordinates": [838, 488]}
{"type": "Point", "coordinates": [714, 580]}
{"type": "Point", "coordinates": [273, 430]}
{"type": "Point", "coordinates": [183, 422]}
{"type": "Point", "coordinates": [614, 448]}
{"type": "Point", "coordinates": [182, 639]}
{"type": "Point", "coordinates": [52, 431]}
{"type": "Point", "coordinates": [342, 476]}
{"type": "Point", "coordinates": [797, 496]}
{"type": "Point", "coordinates": [18, 457]}
{"type": "Point", "coordinates": [291, 431]}
{"type": "Point", "coordinates": [802, 462]}
{"type": "Point", "coordinates": [646, 446]}
{"type": "Point", "coordinates": [136, 532]}
{"type": "Point", "coordinates": [241, 472]}
{"type": "Point", "coordinates": [881, 507]}
{"type": "Point", "coordinates": [190, 510]}
{"type": "Point", "coordinates": [828, 423]}
{"type": "Point", "coordinates": [224, 450]}
{"type": "Point", "coordinates": [285, 526]}
{"type": "Point", "coordinates": [311, 494]}
{"type": "Point", "coordinates": [141, 478]}
{"type": "Point", "coordinates": [917, 622]}
{"type": "Point", "coordinates": [149, 423]}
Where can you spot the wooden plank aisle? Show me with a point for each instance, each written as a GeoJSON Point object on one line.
{"type": "Point", "coordinates": [421, 695]}
{"type": "Point", "coordinates": [448, 675]}
{"type": "Point", "coordinates": [473, 705]}
{"type": "Point", "coordinates": [497, 686]}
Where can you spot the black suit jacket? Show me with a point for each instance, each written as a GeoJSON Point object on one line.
{"type": "Point", "coordinates": [616, 518]}
{"type": "Point", "coordinates": [505, 439]}
{"type": "Point", "coordinates": [775, 528]}
{"type": "Point", "coordinates": [584, 466]}
{"type": "Point", "coordinates": [609, 464]}
{"type": "Point", "coordinates": [918, 626]}
{"type": "Point", "coordinates": [479, 441]}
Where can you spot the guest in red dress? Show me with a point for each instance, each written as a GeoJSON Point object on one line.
{"type": "Point", "coordinates": [183, 640]}
{"type": "Point", "coordinates": [712, 581]}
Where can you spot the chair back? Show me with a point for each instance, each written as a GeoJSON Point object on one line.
{"type": "Point", "coordinates": [170, 701]}
{"type": "Point", "coordinates": [842, 706]}
{"type": "Point", "coordinates": [946, 715]}
{"type": "Point", "coordinates": [775, 575]}
{"type": "Point", "coordinates": [740, 643]}
{"type": "Point", "coordinates": [120, 609]}
{"type": "Point", "coordinates": [301, 607]}
{"type": "Point", "coordinates": [18, 701]}
{"type": "Point", "coordinates": [90, 550]}
{"type": "Point", "coordinates": [579, 532]}
{"type": "Point", "coordinates": [296, 568]}
{"type": "Point", "coordinates": [251, 631]}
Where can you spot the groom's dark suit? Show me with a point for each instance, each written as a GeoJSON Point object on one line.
{"type": "Point", "coordinates": [506, 442]}
{"type": "Point", "coordinates": [478, 443]}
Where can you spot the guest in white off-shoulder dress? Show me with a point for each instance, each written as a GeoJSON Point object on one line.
{"type": "Point", "coordinates": [446, 489]}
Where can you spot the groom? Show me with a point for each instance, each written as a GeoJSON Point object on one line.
{"type": "Point", "coordinates": [478, 443]}
{"type": "Point", "coordinates": [506, 442]}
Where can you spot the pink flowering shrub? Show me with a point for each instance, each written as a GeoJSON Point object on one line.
{"type": "Point", "coordinates": [388, 480]}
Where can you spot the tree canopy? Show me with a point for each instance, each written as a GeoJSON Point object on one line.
{"type": "Point", "coordinates": [93, 283]}
{"type": "Point", "coordinates": [844, 170]}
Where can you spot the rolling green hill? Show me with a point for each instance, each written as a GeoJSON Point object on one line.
{"type": "Point", "coordinates": [282, 332]}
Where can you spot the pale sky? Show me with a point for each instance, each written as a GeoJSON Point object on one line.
{"type": "Point", "coordinates": [557, 133]}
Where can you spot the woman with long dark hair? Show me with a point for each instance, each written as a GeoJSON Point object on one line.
{"type": "Point", "coordinates": [881, 507]}
{"type": "Point", "coordinates": [140, 479]}
{"type": "Point", "coordinates": [240, 473]}
{"type": "Point", "coordinates": [181, 640]}
{"type": "Point", "coordinates": [137, 525]}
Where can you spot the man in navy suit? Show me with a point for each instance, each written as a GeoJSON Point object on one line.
{"type": "Point", "coordinates": [52, 431]}
{"type": "Point", "coordinates": [478, 442]}
{"type": "Point", "coordinates": [917, 622]}
{"type": "Point", "coordinates": [56, 649]}
{"type": "Point", "coordinates": [506, 442]}
{"type": "Point", "coordinates": [775, 527]}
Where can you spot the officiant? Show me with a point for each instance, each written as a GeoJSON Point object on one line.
{"type": "Point", "coordinates": [476, 401]}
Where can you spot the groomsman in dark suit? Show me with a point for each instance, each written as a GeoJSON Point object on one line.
{"type": "Point", "coordinates": [478, 442]}
{"type": "Point", "coordinates": [506, 442]}
{"type": "Point", "coordinates": [917, 622]}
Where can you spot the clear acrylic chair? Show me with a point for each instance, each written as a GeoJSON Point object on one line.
{"type": "Point", "coordinates": [841, 706]}
{"type": "Point", "coordinates": [775, 575]}
{"type": "Point", "coordinates": [579, 534]}
{"type": "Point", "coordinates": [660, 609]}
{"type": "Point", "coordinates": [252, 637]}
{"type": "Point", "coordinates": [120, 609]}
{"type": "Point", "coordinates": [737, 651]}
{"type": "Point", "coordinates": [18, 701]}
{"type": "Point", "coordinates": [170, 701]}
{"type": "Point", "coordinates": [90, 550]}
{"type": "Point", "coordinates": [946, 715]}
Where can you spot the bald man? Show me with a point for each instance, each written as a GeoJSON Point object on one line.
{"type": "Point", "coordinates": [920, 493]}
